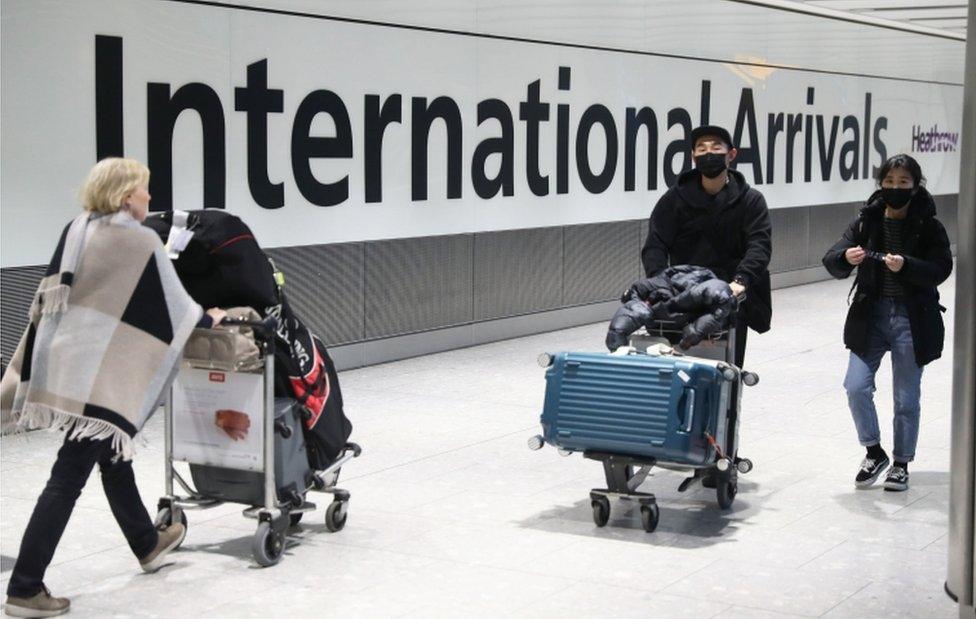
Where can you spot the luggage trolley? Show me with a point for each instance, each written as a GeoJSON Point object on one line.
{"type": "Point", "coordinates": [190, 437]}
{"type": "Point", "coordinates": [626, 472]}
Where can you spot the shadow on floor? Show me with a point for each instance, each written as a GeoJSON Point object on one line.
{"type": "Point", "coordinates": [693, 522]}
{"type": "Point", "coordinates": [240, 547]}
{"type": "Point", "coordinates": [873, 501]}
{"type": "Point", "coordinates": [7, 563]}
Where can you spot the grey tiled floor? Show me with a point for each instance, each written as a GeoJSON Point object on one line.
{"type": "Point", "coordinates": [451, 514]}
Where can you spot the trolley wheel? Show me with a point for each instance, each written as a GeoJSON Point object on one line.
{"type": "Point", "coordinates": [294, 518]}
{"type": "Point", "coordinates": [268, 546]}
{"type": "Point", "coordinates": [335, 516]}
{"type": "Point", "coordinates": [650, 516]}
{"type": "Point", "coordinates": [164, 518]}
{"type": "Point", "coordinates": [744, 465]}
{"type": "Point", "coordinates": [727, 488]}
{"type": "Point", "coordinates": [601, 511]}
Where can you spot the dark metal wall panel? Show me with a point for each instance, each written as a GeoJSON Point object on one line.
{"type": "Point", "coordinates": [791, 238]}
{"type": "Point", "coordinates": [17, 286]}
{"type": "Point", "coordinates": [417, 284]}
{"type": "Point", "coordinates": [827, 224]}
{"type": "Point", "coordinates": [599, 261]}
{"type": "Point", "coordinates": [643, 228]}
{"type": "Point", "coordinates": [353, 292]}
{"type": "Point", "coordinates": [517, 272]}
{"type": "Point", "coordinates": [325, 286]}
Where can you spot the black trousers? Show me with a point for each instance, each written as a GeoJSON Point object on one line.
{"type": "Point", "coordinates": [71, 470]}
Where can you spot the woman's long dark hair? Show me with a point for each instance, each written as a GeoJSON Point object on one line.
{"type": "Point", "coordinates": [904, 162]}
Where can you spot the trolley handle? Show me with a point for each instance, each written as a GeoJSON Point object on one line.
{"type": "Point", "coordinates": [264, 329]}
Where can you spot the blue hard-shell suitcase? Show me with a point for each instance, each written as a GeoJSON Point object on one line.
{"type": "Point", "coordinates": [666, 408]}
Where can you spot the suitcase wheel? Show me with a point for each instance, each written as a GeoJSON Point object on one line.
{"type": "Point", "coordinates": [726, 490]}
{"type": "Point", "coordinates": [268, 545]}
{"type": "Point", "coordinates": [650, 516]}
{"type": "Point", "coordinates": [335, 516]}
{"type": "Point", "coordinates": [601, 510]}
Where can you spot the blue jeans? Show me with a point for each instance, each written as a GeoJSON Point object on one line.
{"type": "Point", "coordinates": [890, 332]}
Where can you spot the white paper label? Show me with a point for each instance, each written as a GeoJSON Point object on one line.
{"type": "Point", "coordinates": [218, 419]}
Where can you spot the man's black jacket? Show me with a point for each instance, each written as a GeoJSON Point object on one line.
{"type": "Point", "coordinates": [928, 263]}
{"type": "Point", "coordinates": [728, 233]}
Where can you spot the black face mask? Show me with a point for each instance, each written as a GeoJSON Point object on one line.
{"type": "Point", "coordinates": [711, 164]}
{"type": "Point", "coordinates": [897, 198]}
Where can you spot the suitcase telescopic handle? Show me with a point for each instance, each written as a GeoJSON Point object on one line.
{"type": "Point", "coordinates": [690, 415]}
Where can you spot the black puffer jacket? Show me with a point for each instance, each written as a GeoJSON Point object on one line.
{"type": "Point", "coordinates": [928, 263]}
{"type": "Point", "coordinates": [686, 295]}
{"type": "Point", "coordinates": [728, 233]}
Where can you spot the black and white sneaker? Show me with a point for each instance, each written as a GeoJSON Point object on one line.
{"type": "Point", "coordinates": [897, 480]}
{"type": "Point", "coordinates": [871, 470]}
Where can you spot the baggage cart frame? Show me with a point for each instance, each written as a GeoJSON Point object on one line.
{"type": "Point", "coordinates": [274, 517]}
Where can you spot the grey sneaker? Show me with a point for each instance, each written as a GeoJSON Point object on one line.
{"type": "Point", "coordinates": [870, 471]}
{"type": "Point", "coordinates": [897, 480]}
{"type": "Point", "coordinates": [169, 538]}
{"type": "Point", "coordinates": [40, 605]}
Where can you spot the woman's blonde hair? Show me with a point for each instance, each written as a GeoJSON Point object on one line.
{"type": "Point", "coordinates": [110, 181]}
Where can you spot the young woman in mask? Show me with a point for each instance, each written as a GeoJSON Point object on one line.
{"type": "Point", "coordinates": [901, 253]}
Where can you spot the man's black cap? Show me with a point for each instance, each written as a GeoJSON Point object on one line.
{"type": "Point", "coordinates": [710, 130]}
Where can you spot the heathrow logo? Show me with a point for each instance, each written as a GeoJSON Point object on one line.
{"type": "Point", "coordinates": [933, 140]}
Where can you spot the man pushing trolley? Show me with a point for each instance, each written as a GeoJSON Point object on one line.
{"type": "Point", "coordinates": [668, 394]}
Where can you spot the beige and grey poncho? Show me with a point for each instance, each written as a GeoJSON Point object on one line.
{"type": "Point", "coordinates": [107, 327]}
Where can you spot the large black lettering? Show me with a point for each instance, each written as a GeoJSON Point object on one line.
{"type": "Point", "coordinates": [866, 161]}
{"type": "Point", "coordinates": [745, 118]}
{"type": "Point", "coordinates": [504, 146]}
{"type": "Point", "coordinates": [376, 120]}
{"type": "Point", "coordinates": [808, 141]}
{"type": "Point", "coordinates": [162, 112]}
{"type": "Point", "coordinates": [532, 111]}
{"type": "Point", "coordinates": [879, 145]}
{"type": "Point", "coordinates": [635, 120]}
{"type": "Point", "coordinates": [681, 146]}
{"type": "Point", "coordinates": [849, 165]}
{"type": "Point", "coordinates": [827, 146]}
{"type": "Point", "coordinates": [774, 126]}
{"type": "Point", "coordinates": [421, 118]}
{"type": "Point", "coordinates": [305, 147]}
{"type": "Point", "coordinates": [706, 100]}
{"type": "Point", "coordinates": [794, 125]}
{"type": "Point", "coordinates": [562, 135]}
{"type": "Point", "coordinates": [108, 97]}
{"type": "Point", "coordinates": [596, 115]}
{"type": "Point", "coordinates": [258, 101]}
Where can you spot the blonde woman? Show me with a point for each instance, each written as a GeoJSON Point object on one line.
{"type": "Point", "coordinates": [107, 326]}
